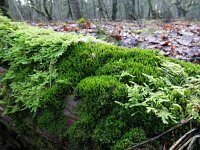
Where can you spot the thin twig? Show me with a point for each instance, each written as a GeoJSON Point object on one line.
{"type": "Point", "coordinates": [183, 139]}
{"type": "Point", "coordinates": [159, 136]}
{"type": "Point", "coordinates": [184, 143]}
{"type": "Point", "coordinates": [192, 142]}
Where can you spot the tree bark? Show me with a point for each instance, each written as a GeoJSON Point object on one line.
{"type": "Point", "coordinates": [114, 10]}
{"type": "Point", "coordinates": [75, 8]}
{"type": "Point", "coordinates": [133, 6]}
{"type": "Point", "coordinates": [100, 7]}
{"type": "Point", "coordinates": [38, 10]}
{"type": "Point", "coordinates": [151, 11]}
{"type": "Point", "coordinates": [184, 9]}
{"type": "Point", "coordinates": [4, 7]}
{"type": "Point", "coordinates": [47, 12]}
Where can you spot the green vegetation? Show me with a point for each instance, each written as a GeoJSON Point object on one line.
{"type": "Point", "coordinates": [55, 122]}
{"type": "Point", "coordinates": [173, 97]}
{"type": "Point", "coordinates": [198, 44]}
{"type": "Point", "coordinates": [132, 137]}
{"type": "Point", "coordinates": [81, 20]}
{"type": "Point", "coordinates": [44, 67]}
{"type": "Point", "coordinates": [139, 31]}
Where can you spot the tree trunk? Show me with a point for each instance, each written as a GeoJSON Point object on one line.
{"type": "Point", "coordinates": [114, 10]}
{"type": "Point", "coordinates": [151, 11]}
{"type": "Point", "coordinates": [178, 5]}
{"type": "Point", "coordinates": [132, 14]}
{"type": "Point", "coordinates": [69, 14]}
{"type": "Point", "coordinates": [47, 12]}
{"type": "Point", "coordinates": [4, 7]}
{"type": "Point", "coordinates": [75, 8]}
{"type": "Point", "coordinates": [100, 8]}
{"type": "Point", "coordinates": [133, 6]}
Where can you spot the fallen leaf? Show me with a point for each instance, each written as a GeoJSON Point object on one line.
{"type": "Point", "coordinates": [164, 37]}
{"type": "Point", "coordinates": [173, 47]}
{"type": "Point", "coordinates": [87, 25]}
{"type": "Point", "coordinates": [66, 28]}
{"type": "Point", "coordinates": [166, 43]}
{"type": "Point", "coordinates": [167, 27]}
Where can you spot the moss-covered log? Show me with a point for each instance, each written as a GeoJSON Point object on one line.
{"type": "Point", "coordinates": [60, 89]}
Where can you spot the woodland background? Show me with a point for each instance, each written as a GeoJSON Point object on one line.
{"type": "Point", "coordinates": [51, 101]}
{"type": "Point", "coordinates": [64, 10]}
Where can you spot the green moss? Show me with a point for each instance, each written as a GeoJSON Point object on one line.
{"type": "Point", "coordinates": [81, 20]}
{"type": "Point", "coordinates": [150, 31]}
{"type": "Point", "coordinates": [190, 68]}
{"type": "Point", "coordinates": [79, 135]}
{"type": "Point", "coordinates": [99, 93]}
{"type": "Point", "coordinates": [134, 136]}
{"type": "Point", "coordinates": [100, 59]}
{"type": "Point", "coordinates": [52, 121]}
{"type": "Point", "coordinates": [198, 44]}
{"type": "Point", "coordinates": [108, 131]}
{"type": "Point", "coordinates": [45, 66]}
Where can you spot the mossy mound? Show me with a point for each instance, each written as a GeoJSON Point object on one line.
{"type": "Point", "coordinates": [44, 67]}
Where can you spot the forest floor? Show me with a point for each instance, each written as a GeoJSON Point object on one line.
{"type": "Point", "coordinates": [179, 39]}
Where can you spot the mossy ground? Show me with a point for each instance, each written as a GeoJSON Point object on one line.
{"type": "Point", "coordinates": [44, 67]}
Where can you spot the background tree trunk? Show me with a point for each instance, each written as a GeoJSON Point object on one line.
{"type": "Point", "coordinates": [4, 7]}
{"type": "Point", "coordinates": [151, 10]}
{"type": "Point", "coordinates": [133, 10]}
{"type": "Point", "coordinates": [100, 9]}
{"type": "Point", "coordinates": [114, 10]}
{"type": "Point", "coordinates": [47, 11]}
{"type": "Point", "coordinates": [75, 8]}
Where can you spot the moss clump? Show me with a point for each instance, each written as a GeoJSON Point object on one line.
{"type": "Point", "coordinates": [53, 122]}
{"type": "Point", "coordinates": [103, 59]}
{"type": "Point", "coordinates": [44, 67]}
{"type": "Point", "coordinates": [139, 31]}
{"type": "Point", "coordinates": [99, 93]}
{"type": "Point", "coordinates": [81, 20]}
{"type": "Point", "coordinates": [134, 136]}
